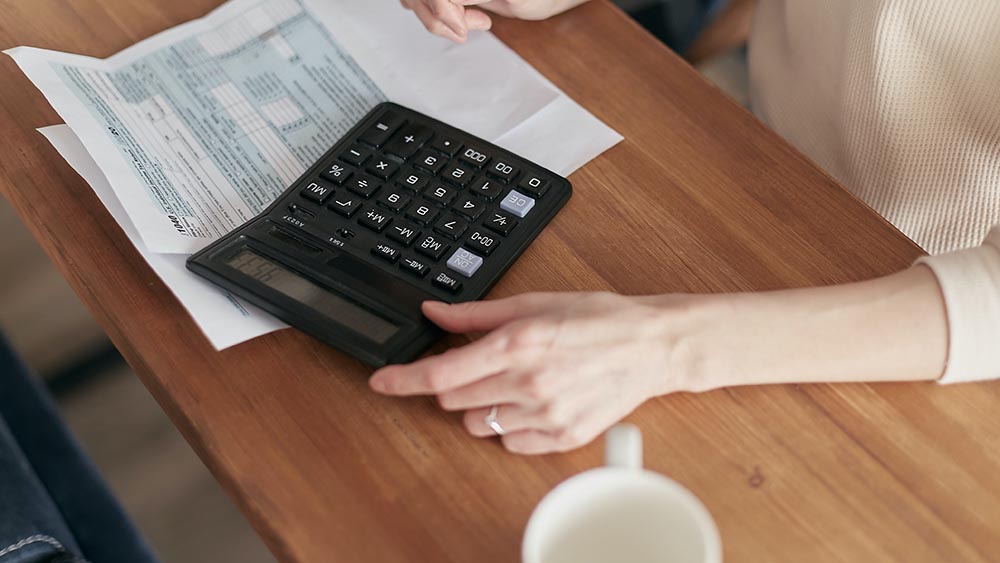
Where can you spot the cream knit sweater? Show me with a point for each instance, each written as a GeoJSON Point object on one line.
{"type": "Point", "coordinates": [900, 101]}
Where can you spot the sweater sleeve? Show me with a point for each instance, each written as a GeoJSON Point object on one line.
{"type": "Point", "coordinates": [970, 284]}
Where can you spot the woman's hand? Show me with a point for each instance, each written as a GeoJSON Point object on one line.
{"type": "Point", "coordinates": [453, 19]}
{"type": "Point", "coordinates": [562, 366]}
{"type": "Point", "coordinates": [565, 366]}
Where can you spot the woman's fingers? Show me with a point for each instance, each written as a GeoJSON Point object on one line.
{"type": "Point", "coordinates": [451, 14]}
{"type": "Point", "coordinates": [478, 20]}
{"type": "Point", "coordinates": [433, 23]}
{"type": "Point", "coordinates": [577, 434]}
{"type": "Point", "coordinates": [438, 374]}
{"type": "Point", "coordinates": [513, 418]}
{"type": "Point", "coordinates": [478, 316]}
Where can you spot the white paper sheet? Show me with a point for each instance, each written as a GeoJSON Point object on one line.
{"type": "Point", "coordinates": [226, 320]}
{"type": "Point", "coordinates": [198, 128]}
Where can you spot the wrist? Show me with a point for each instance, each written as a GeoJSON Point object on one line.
{"type": "Point", "coordinates": [688, 327]}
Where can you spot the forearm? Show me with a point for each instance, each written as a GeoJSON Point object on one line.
{"type": "Point", "coordinates": [887, 329]}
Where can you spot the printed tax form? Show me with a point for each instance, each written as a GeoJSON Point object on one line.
{"type": "Point", "coordinates": [198, 128]}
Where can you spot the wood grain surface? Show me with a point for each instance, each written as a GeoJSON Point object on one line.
{"type": "Point", "coordinates": [700, 197]}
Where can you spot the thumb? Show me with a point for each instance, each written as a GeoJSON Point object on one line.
{"type": "Point", "coordinates": [478, 316]}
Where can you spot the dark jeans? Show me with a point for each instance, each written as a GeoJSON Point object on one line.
{"type": "Point", "coordinates": [54, 508]}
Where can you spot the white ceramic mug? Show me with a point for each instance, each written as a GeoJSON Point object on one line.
{"type": "Point", "coordinates": [621, 513]}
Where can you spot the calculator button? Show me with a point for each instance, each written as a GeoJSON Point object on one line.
{"type": "Point", "coordinates": [533, 185]}
{"type": "Point", "coordinates": [421, 212]}
{"type": "Point", "coordinates": [317, 192]}
{"type": "Point", "coordinates": [410, 138]}
{"type": "Point", "coordinates": [499, 222]}
{"type": "Point", "coordinates": [364, 185]}
{"type": "Point", "coordinates": [451, 226]}
{"type": "Point", "coordinates": [471, 207]}
{"type": "Point", "coordinates": [432, 247]}
{"type": "Point", "coordinates": [337, 173]}
{"type": "Point", "coordinates": [401, 232]}
{"type": "Point", "coordinates": [430, 161]}
{"type": "Point", "coordinates": [356, 155]}
{"type": "Point", "coordinates": [415, 267]}
{"type": "Point", "coordinates": [393, 199]}
{"type": "Point", "coordinates": [503, 170]}
{"type": "Point", "coordinates": [441, 195]}
{"type": "Point", "coordinates": [382, 129]}
{"type": "Point", "coordinates": [482, 242]}
{"type": "Point", "coordinates": [486, 187]}
{"type": "Point", "coordinates": [375, 219]}
{"type": "Point", "coordinates": [385, 252]}
{"type": "Point", "coordinates": [346, 206]}
{"type": "Point", "coordinates": [447, 145]}
{"type": "Point", "coordinates": [457, 173]}
{"type": "Point", "coordinates": [382, 167]}
{"type": "Point", "coordinates": [465, 262]}
{"type": "Point", "coordinates": [413, 179]}
{"type": "Point", "coordinates": [517, 203]}
{"type": "Point", "coordinates": [474, 156]}
{"type": "Point", "coordinates": [446, 282]}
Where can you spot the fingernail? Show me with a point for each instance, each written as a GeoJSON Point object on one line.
{"type": "Point", "coordinates": [377, 384]}
{"type": "Point", "coordinates": [435, 304]}
{"type": "Point", "coordinates": [458, 31]}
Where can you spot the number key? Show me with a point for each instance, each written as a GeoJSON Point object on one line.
{"type": "Point", "coordinates": [421, 213]}
{"type": "Point", "coordinates": [413, 180]}
{"type": "Point", "coordinates": [474, 157]}
{"type": "Point", "coordinates": [430, 161]}
{"type": "Point", "coordinates": [503, 170]}
{"type": "Point", "coordinates": [471, 207]}
{"type": "Point", "coordinates": [393, 199]}
{"type": "Point", "coordinates": [533, 184]}
{"type": "Point", "coordinates": [486, 187]}
{"type": "Point", "coordinates": [451, 226]}
{"type": "Point", "coordinates": [441, 195]}
{"type": "Point", "coordinates": [457, 173]}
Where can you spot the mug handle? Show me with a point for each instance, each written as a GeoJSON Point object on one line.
{"type": "Point", "coordinates": [623, 447]}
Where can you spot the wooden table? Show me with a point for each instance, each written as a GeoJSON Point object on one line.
{"type": "Point", "coordinates": [704, 197]}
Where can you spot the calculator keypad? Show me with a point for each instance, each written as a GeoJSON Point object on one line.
{"type": "Point", "coordinates": [436, 206]}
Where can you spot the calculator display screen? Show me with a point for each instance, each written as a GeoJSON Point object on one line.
{"type": "Point", "coordinates": [313, 296]}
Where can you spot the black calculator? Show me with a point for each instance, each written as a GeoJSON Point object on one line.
{"type": "Point", "coordinates": [403, 209]}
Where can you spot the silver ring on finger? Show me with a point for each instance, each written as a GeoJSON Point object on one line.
{"type": "Point", "coordinates": [493, 423]}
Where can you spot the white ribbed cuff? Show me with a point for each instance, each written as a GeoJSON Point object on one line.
{"type": "Point", "coordinates": [970, 283]}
